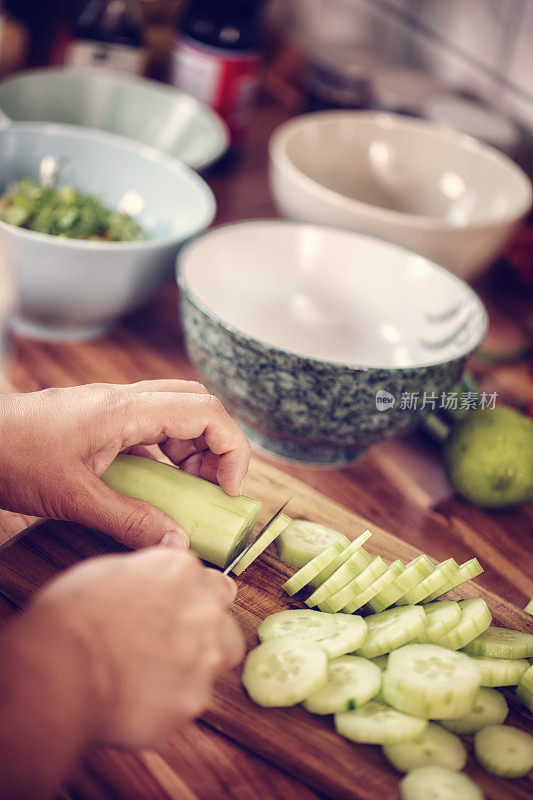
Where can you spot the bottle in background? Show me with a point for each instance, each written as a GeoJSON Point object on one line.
{"type": "Point", "coordinates": [217, 56]}
{"type": "Point", "coordinates": [108, 34]}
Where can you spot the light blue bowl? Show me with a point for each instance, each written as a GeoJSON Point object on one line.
{"type": "Point", "coordinates": [152, 113]}
{"type": "Point", "coordinates": [70, 289]}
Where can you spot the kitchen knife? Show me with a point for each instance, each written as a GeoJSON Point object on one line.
{"type": "Point", "coordinates": [255, 539]}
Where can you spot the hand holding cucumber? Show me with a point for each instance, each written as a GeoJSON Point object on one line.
{"type": "Point", "coordinates": [119, 650]}
{"type": "Point", "coordinates": [56, 444]}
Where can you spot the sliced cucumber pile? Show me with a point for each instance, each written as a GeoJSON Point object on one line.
{"type": "Point", "coordinates": [385, 675]}
{"type": "Point", "coordinates": [345, 577]}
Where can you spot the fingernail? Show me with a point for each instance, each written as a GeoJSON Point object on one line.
{"type": "Point", "coordinates": [174, 539]}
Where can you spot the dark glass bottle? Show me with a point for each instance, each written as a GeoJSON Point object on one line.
{"type": "Point", "coordinates": [108, 33]}
{"type": "Point", "coordinates": [217, 55]}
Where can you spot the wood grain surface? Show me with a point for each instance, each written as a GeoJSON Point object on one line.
{"type": "Point", "coordinates": [302, 745]}
{"type": "Point", "coordinates": [398, 485]}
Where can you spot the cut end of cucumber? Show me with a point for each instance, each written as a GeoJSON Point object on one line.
{"type": "Point", "coordinates": [268, 536]}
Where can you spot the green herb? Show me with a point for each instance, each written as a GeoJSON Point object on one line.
{"type": "Point", "coordinates": [65, 212]}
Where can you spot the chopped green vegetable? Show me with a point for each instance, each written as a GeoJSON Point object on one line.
{"type": "Point", "coordinates": [65, 212]}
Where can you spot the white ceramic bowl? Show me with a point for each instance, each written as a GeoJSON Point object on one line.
{"type": "Point", "coordinates": [435, 191]}
{"type": "Point", "coordinates": [69, 289]}
{"type": "Point", "coordinates": [312, 334]}
{"type": "Point", "coordinates": [153, 113]}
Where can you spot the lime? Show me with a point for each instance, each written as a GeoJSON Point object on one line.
{"type": "Point", "coordinates": [489, 457]}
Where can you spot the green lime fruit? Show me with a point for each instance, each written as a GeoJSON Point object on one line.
{"type": "Point", "coordinates": [489, 457]}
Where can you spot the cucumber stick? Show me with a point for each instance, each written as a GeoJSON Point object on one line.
{"type": "Point", "coordinates": [430, 681]}
{"type": "Point", "coordinates": [302, 540]}
{"type": "Point", "coordinates": [267, 537]}
{"type": "Point", "coordinates": [438, 783]}
{"type": "Point", "coordinates": [217, 525]}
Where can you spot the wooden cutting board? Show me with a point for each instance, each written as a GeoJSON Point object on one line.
{"type": "Point", "coordinates": [303, 745]}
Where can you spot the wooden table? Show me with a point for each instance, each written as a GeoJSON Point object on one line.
{"type": "Point", "coordinates": [398, 485]}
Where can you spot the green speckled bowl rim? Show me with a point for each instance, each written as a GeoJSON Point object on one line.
{"type": "Point", "coordinates": [310, 359]}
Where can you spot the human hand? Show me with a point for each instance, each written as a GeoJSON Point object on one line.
{"type": "Point", "coordinates": [144, 636]}
{"type": "Point", "coordinates": [58, 442]}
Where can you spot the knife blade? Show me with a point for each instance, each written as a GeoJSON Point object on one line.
{"type": "Point", "coordinates": [255, 539]}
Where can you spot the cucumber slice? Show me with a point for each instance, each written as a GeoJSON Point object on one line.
{"type": "Point", "coordinates": [368, 575]}
{"type": "Point", "coordinates": [465, 572]}
{"type": "Point", "coordinates": [500, 671]}
{"type": "Point", "coordinates": [391, 629]}
{"type": "Point", "coordinates": [490, 708]}
{"type": "Point", "coordinates": [430, 681]}
{"type": "Point", "coordinates": [267, 537]}
{"type": "Point", "coordinates": [217, 524]}
{"type": "Point", "coordinates": [434, 747]}
{"type": "Point", "coordinates": [352, 682]}
{"type": "Point", "coordinates": [376, 723]}
{"type": "Point", "coordinates": [337, 634]}
{"type": "Point", "coordinates": [475, 619]}
{"type": "Point", "coordinates": [501, 643]}
{"type": "Point", "coordinates": [415, 571]}
{"type": "Point", "coordinates": [284, 671]}
{"type": "Point", "coordinates": [443, 615]}
{"type": "Point", "coordinates": [310, 570]}
{"type": "Point", "coordinates": [364, 597]}
{"type": "Point", "coordinates": [524, 690]}
{"type": "Point", "coordinates": [347, 551]}
{"type": "Point", "coordinates": [356, 562]}
{"type": "Point", "coordinates": [441, 575]}
{"type": "Point", "coordinates": [302, 540]}
{"type": "Point", "coordinates": [529, 608]}
{"type": "Point", "coordinates": [387, 596]}
{"type": "Point", "coordinates": [504, 750]}
{"type": "Point", "coordinates": [438, 783]}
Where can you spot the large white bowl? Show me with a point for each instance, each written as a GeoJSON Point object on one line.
{"type": "Point", "coordinates": [438, 192]}
{"type": "Point", "coordinates": [314, 336]}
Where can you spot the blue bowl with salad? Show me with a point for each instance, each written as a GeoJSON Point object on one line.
{"type": "Point", "coordinates": [93, 222]}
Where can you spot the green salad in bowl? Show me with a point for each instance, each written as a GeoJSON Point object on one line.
{"type": "Point", "coordinates": [66, 212]}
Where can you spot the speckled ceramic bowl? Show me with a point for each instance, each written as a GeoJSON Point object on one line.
{"type": "Point", "coordinates": [321, 340]}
